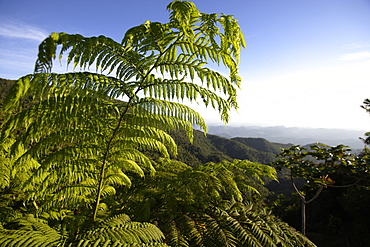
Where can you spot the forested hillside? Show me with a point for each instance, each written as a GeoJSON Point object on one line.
{"type": "Point", "coordinates": [4, 88]}
{"type": "Point", "coordinates": [212, 148]}
{"type": "Point", "coordinates": [262, 144]}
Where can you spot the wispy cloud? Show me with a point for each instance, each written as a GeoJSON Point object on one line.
{"type": "Point", "coordinates": [354, 46]}
{"type": "Point", "coordinates": [356, 56]}
{"type": "Point", "coordinates": [351, 46]}
{"type": "Point", "coordinates": [21, 30]}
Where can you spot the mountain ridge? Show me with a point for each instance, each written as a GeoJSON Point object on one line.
{"type": "Point", "coordinates": [295, 135]}
{"type": "Point", "coordinates": [213, 148]}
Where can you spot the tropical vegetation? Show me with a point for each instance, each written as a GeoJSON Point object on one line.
{"type": "Point", "coordinates": [70, 141]}
{"type": "Point", "coordinates": [90, 157]}
{"type": "Point", "coordinates": [322, 167]}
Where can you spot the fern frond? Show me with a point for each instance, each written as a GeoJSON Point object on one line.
{"type": "Point", "coordinates": [116, 220]}
{"type": "Point", "coordinates": [216, 234]}
{"type": "Point", "coordinates": [82, 51]}
{"type": "Point", "coordinates": [127, 165]}
{"type": "Point", "coordinates": [143, 143]}
{"type": "Point", "coordinates": [121, 231]}
{"type": "Point", "coordinates": [170, 109]}
{"type": "Point", "coordinates": [76, 141]}
{"type": "Point", "coordinates": [131, 160]}
{"type": "Point", "coordinates": [165, 123]}
{"type": "Point", "coordinates": [5, 172]}
{"type": "Point", "coordinates": [181, 90]}
{"type": "Point", "coordinates": [30, 233]}
{"type": "Point", "coordinates": [130, 130]}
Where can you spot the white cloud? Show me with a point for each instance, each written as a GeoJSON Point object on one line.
{"type": "Point", "coordinates": [356, 56]}
{"type": "Point", "coordinates": [21, 30]}
{"type": "Point", "coordinates": [16, 62]}
{"type": "Point", "coordinates": [352, 46]}
{"type": "Point", "coordinates": [324, 97]}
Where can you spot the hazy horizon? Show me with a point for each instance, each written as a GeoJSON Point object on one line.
{"type": "Point", "coordinates": [294, 135]}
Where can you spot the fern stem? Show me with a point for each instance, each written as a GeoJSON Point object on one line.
{"type": "Point", "coordinates": [105, 156]}
{"type": "Point", "coordinates": [100, 186]}
{"type": "Point", "coordinates": [105, 161]}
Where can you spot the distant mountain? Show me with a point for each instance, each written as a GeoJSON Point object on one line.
{"type": "Point", "coordinates": [297, 136]}
{"type": "Point", "coordinates": [262, 144]}
{"type": "Point", "coordinates": [212, 148]}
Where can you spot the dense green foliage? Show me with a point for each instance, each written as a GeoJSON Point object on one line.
{"type": "Point", "coordinates": [77, 164]}
{"type": "Point", "coordinates": [5, 85]}
{"type": "Point", "coordinates": [82, 141]}
{"type": "Point", "coordinates": [115, 231]}
{"type": "Point", "coordinates": [211, 205]}
{"type": "Point", "coordinates": [366, 106]}
{"type": "Point", "coordinates": [75, 160]}
{"type": "Point", "coordinates": [333, 175]}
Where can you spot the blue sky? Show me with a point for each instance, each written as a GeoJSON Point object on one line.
{"type": "Point", "coordinates": [307, 62]}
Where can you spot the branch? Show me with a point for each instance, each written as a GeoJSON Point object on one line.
{"type": "Point", "coordinates": [302, 195]}
{"type": "Point", "coordinates": [296, 189]}
{"type": "Point", "coordinates": [317, 194]}
{"type": "Point", "coordinates": [348, 185]}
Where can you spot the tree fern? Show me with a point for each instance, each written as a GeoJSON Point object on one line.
{"type": "Point", "coordinates": [244, 226]}
{"type": "Point", "coordinates": [116, 231]}
{"type": "Point", "coordinates": [31, 232]}
{"type": "Point", "coordinates": [79, 140]}
{"type": "Point", "coordinates": [121, 231]}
